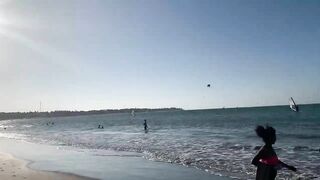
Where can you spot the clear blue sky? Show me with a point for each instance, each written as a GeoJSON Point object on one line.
{"type": "Point", "coordinates": [81, 55]}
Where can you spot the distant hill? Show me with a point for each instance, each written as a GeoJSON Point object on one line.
{"type": "Point", "coordinates": [35, 114]}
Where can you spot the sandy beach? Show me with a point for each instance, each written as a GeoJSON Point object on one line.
{"type": "Point", "coordinates": [16, 169]}
{"type": "Point", "coordinates": [52, 163]}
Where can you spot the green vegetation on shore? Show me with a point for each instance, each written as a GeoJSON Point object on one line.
{"type": "Point", "coordinates": [36, 114]}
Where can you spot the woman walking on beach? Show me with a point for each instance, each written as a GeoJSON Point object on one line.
{"type": "Point", "coordinates": [266, 160]}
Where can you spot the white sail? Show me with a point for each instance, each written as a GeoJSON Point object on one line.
{"type": "Point", "coordinates": [293, 105]}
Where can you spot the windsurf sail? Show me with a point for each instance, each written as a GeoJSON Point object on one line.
{"type": "Point", "coordinates": [293, 105]}
{"type": "Point", "coordinates": [133, 113]}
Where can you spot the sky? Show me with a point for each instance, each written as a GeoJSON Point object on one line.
{"type": "Point", "coordinates": [110, 54]}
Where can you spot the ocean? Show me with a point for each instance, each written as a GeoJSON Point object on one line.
{"type": "Point", "coordinates": [218, 141]}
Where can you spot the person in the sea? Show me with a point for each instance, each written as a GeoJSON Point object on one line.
{"type": "Point", "coordinates": [266, 160]}
{"type": "Point", "coordinates": [100, 126]}
{"type": "Point", "coordinates": [145, 126]}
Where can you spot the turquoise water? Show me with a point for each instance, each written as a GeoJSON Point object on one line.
{"type": "Point", "coordinates": [220, 141]}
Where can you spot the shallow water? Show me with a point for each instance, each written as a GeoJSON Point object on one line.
{"type": "Point", "coordinates": [217, 141]}
{"type": "Point", "coordinates": [98, 164]}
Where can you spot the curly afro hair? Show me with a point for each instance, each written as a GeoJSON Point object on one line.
{"type": "Point", "coordinates": [267, 133]}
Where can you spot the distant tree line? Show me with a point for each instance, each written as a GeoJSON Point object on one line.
{"type": "Point", "coordinates": [36, 114]}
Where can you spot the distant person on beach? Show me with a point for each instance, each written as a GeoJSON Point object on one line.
{"type": "Point", "coordinates": [145, 126]}
{"type": "Point", "coordinates": [266, 160]}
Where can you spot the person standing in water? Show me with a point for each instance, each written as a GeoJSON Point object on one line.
{"type": "Point", "coordinates": [266, 160]}
{"type": "Point", "coordinates": [145, 126]}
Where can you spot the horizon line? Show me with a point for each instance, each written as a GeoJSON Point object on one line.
{"type": "Point", "coordinates": [158, 108]}
{"type": "Point", "coordinates": [235, 107]}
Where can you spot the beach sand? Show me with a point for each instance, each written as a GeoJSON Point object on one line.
{"type": "Point", "coordinates": [66, 163]}
{"type": "Point", "coordinates": [15, 169]}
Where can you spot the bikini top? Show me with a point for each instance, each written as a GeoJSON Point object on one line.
{"type": "Point", "coordinates": [273, 160]}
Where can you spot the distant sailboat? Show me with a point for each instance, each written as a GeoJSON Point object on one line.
{"type": "Point", "coordinates": [293, 105]}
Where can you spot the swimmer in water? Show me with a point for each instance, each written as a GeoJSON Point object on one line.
{"type": "Point", "coordinates": [145, 126]}
{"type": "Point", "coordinates": [266, 160]}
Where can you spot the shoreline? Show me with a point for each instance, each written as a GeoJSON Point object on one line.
{"type": "Point", "coordinates": [13, 168]}
{"type": "Point", "coordinates": [70, 163]}
{"type": "Point", "coordinates": [68, 113]}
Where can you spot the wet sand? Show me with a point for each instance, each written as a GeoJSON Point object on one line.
{"type": "Point", "coordinates": [15, 169]}
{"type": "Point", "coordinates": [66, 163]}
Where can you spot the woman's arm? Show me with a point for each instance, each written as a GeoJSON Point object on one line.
{"type": "Point", "coordinates": [292, 168]}
{"type": "Point", "coordinates": [255, 161]}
